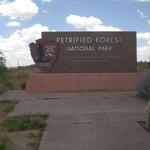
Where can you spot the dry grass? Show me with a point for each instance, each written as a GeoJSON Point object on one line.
{"type": "Point", "coordinates": [20, 140]}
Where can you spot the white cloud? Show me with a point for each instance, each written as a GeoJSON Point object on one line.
{"type": "Point", "coordinates": [89, 23]}
{"type": "Point", "coordinates": [144, 51]}
{"type": "Point", "coordinates": [148, 43]}
{"type": "Point", "coordinates": [144, 36]}
{"type": "Point", "coordinates": [19, 9]}
{"type": "Point", "coordinates": [16, 47]}
{"type": "Point", "coordinates": [141, 14]}
{"type": "Point", "coordinates": [14, 24]}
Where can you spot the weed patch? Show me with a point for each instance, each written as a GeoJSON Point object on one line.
{"type": "Point", "coordinates": [7, 106]}
{"type": "Point", "coordinates": [142, 124]}
{"type": "Point", "coordinates": [24, 122]}
{"type": "Point", "coordinates": [5, 144]}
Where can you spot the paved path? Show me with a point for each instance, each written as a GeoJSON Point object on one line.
{"type": "Point", "coordinates": [87, 120]}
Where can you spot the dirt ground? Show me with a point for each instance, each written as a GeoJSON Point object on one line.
{"type": "Point", "coordinates": [24, 140]}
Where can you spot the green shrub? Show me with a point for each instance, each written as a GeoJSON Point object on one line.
{"type": "Point", "coordinates": [3, 70]}
{"type": "Point", "coordinates": [143, 86]}
{"type": "Point", "coordinates": [23, 85]}
{"type": "Point", "coordinates": [5, 144]}
{"type": "Point", "coordinates": [142, 66]}
{"type": "Point", "coordinates": [22, 123]}
{"type": "Point", "coordinates": [2, 90]}
{"type": "Point", "coordinates": [9, 84]}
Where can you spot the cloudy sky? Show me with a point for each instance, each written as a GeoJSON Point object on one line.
{"type": "Point", "coordinates": [22, 21]}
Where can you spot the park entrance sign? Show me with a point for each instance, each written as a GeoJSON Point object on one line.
{"type": "Point", "coordinates": [85, 52]}
{"type": "Point", "coordinates": [84, 61]}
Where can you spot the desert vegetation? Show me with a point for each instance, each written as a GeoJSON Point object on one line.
{"type": "Point", "coordinates": [21, 132]}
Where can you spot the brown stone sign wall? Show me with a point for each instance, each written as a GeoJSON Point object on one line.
{"type": "Point", "coordinates": [85, 52]}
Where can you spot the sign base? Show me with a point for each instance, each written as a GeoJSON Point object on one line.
{"type": "Point", "coordinates": [66, 82]}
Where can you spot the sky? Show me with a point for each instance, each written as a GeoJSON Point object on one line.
{"type": "Point", "coordinates": [22, 21]}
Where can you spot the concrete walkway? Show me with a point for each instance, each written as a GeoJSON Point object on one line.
{"type": "Point", "coordinates": [87, 120]}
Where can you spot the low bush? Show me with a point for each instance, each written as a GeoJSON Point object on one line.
{"type": "Point", "coordinates": [5, 144]}
{"type": "Point", "coordinates": [9, 85]}
{"type": "Point", "coordinates": [2, 90]}
{"type": "Point", "coordinates": [22, 123]}
{"type": "Point", "coordinates": [23, 85]}
{"type": "Point", "coordinates": [143, 86]}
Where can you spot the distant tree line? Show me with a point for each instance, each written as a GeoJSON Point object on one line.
{"type": "Point", "coordinates": [143, 66]}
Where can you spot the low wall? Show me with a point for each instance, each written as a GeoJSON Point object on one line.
{"type": "Point", "coordinates": [81, 82]}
